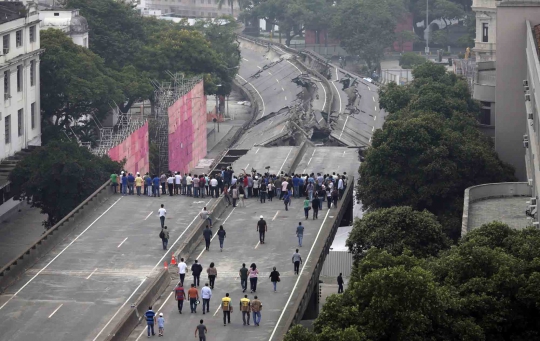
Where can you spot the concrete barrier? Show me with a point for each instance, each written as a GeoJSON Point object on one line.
{"type": "Point", "coordinates": [490, 191]}
{"type": "Point", "coordinates": [56, 234]}
{"type": "Point", "coordinates": [164, 278]}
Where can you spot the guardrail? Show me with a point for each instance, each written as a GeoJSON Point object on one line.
{"type": "Point", "coordinates": [11, 271]}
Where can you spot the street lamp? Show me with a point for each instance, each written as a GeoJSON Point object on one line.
{"type": "Point", "coordinates": [217, 108]}
{"type": "Point", "coordinates": [427, 29]}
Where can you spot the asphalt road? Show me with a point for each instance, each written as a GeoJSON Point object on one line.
{"type": "Point", "coordinates": [78, 290]}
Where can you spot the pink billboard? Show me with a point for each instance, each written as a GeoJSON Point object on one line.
{"type": "Point", "coordinates": [135, 150]}
{"type": "Point", "coordinates": [187, 130]}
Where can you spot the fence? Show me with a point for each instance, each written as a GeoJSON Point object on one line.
{"type": "Point", "coordinates": [337, 262]}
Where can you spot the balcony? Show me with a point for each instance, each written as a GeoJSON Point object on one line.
{"type": "Point", "coordinates": [505, 202]}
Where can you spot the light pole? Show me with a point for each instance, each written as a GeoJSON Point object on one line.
{"type": "Point", "coordinates": [427, 29]}
{"type": "Point", "coordinates": [217, 109]}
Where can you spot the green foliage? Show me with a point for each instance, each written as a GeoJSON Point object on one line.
{"type": "Point", "coordinates": [395, 230]}
{"type": "Point", "coordinates": [408, 60]}
{"type": "Point", "coordinates": [406, 36]}
{"type": "Point", "coordinates": [300, 333]}
{"type": "Point", "coordinates": [74, 82]}
{"type": "Point", "coordinates": [366, 27]}
{"type": "Point", "coordinates": [59, 176]}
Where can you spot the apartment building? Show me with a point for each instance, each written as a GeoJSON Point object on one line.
{"type": "Point", "coordinates": [192, 8]}
{"type": "Point", "coordinates": [68, 21]}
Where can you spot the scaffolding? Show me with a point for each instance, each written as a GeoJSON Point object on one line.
{"type": "Point", "coordinates": [165, 95]}
{"type": "Point", "coordinates": [110, 137]}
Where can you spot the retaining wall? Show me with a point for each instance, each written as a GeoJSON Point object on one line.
{"type": "Point", "coordinates": [55, 235]}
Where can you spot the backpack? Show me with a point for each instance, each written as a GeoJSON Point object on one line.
{"type": "Point", "coordinates": [161, 234]}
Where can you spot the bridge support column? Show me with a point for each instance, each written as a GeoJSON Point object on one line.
{"type": "Point", "coordinates": [312, 310]}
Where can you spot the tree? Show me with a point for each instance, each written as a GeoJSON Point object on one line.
{"type": "Point", "coordinates": [287, 14]}
{"type": "Point", "coordinates": [409, 60]}
{"type": "Point", "coordinates": [74, 83]}
{"type": "Point", "coordinates": [366, 27]}
{"type": "Point", "coordinates": [406, 36]}
{"type": "Point", "coordinates": [300, 333]}
{"type": "Point", "coordinates": [59, 176]}
{"type": "Point", "coordinates": [395, 230]}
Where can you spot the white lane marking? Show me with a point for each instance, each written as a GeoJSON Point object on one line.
{"type": "Point", "coordinates": [217, 310]}
{"type": "Point", "coordinates": [247, 166]}
{"type": "Point", "coordinates": [344, 126]}
{"type": "Point", "coordinates": [283, 128]}
{"type": "Point", "coordinates": [324, 95]}
{"type": "Point", "coordinates": [245, 59]}
{"type": "Point", "coordinates": [279, 171]}
{"type": "Point", "coordinates": [374, 118]}
{"type": "Point", "coordinates": [337, 76]}
{"type": "Point", "coordinates": [309, 161]}
{"type": "Point", "coordinates": [259, 67]}
{"type": "Point", "coordinates": [58, 255]}
{"type": "Point", "coordinates": [258, 243]}
{"type": "Point", "coordinates": [149, 214]}
{"type": "Point", "coordinates": [270, 73]}
{"type": "Point", "coordinates": [374, 99]}
{"type": "Point", "coordinates": [257, 150]}
{"type": "Point", "coordinates": [375, 108]}
{"type": "Point", "coordinates": [319, 121]}
{"type": "Point", "coordinates": [122, 242]}
{"type": "Point", "coordinates": [275, 216]}
{"type": "Point", "coordinates": [91, 273]}
{"type": "Point", "coordinates": [282, 89]}
{"type": "Point", "coordinates": [285, 97]}
{"type": "Point", "coordinates": [215, 234]}
{"type": "Point", "coordinates": [372, 128]}
{"type": "Point", "coordinates": [298, 279]}
{"type": "Point", "coordinates": [339, 96]}
{"type": "Point", "coordinates": [343, 153]}
{"type": "Point", "coordinates": [258, 93]}
{"type": "Point", "coordinates": [270, 122]}
{"type": "Point", "coordinates": [370, 140]}
{"type": "Point", "coordinates": [60, 306]}
{"type": "Point", "coordinates": [144, 280]}
{"type": "Point", "coordinates": [277, 80]}
{"type": "Point", "coordinates": [295, 66]}
{"type": "Point", "coordinates": [369, 88]}
{"type": "Point", "coordinates": [168, 297]}
{"type": "Point", "coordinates": [314, 150]}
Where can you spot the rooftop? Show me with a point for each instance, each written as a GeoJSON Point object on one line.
{"type": "Point", "coordinates": [509, 210]}
{"type": "Point", "coordinates": [10, 11]}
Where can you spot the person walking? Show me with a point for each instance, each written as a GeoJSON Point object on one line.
{"type": "Point", "coordinates": [245, 308]}
{"type": "Point", "coordinates": [235, 195]}
{"type": "Point", "coordinates": [201, 330]}
{"type": "Point", "coordinates": [306, 208]}
{"type": "Point", "coordinates": [150, 320]}
{"type": "Point", "coordinates": [256, 307]}
{"type": "Point", "coordinates": [274, 278]}
{"type": "Point", "coordinates": [206, 294]}
{"type": "Point", "coordinates": [284, 187]}
{"type": "Point", "coordinates": [179, 296]}
{"type": "Point", "coordinates": [164, 235]}
{"type": "Point", "coordinates": [286, 200]}
{"type": "Point", "coordinates": [193, 295]}
{"type": "Point", "coordinates": [262, 228]}
{"type": "Point", "coordinates": [271, 189]}
{"type": "Point", "coordinates": [315, 203]}
{"type": "Point", "coordinates": [162, 212]}
{"type": "Point", "coordinates": [243, 274]}
{"type": "Point", "coordinates": [227, 309]}
{"type": "Point", "coordinates": [207, 234]}
{"type": "Point", "coordinates": [221, 236]}
{"type": "Point", "coordinates": [196, 270]}
{"type": "Point", "coordinates": [214, 189]}
{"type": "Point", "coordinates": [205, 215]}
{"type": "Point", "coordinates": [160, 322]}
{"type": "Point", "coordinates": [182, 267]}
{"type": "Point", "coordinates": [297, 260]}
{"type": "Point", "coordinates": [300, 233]}
{"type": "Point", "coordinates": [340, 283]}
{"type": "Point", "coordinates": [212, 274]}
{"type": "Point", "coordinates": [253, 274]}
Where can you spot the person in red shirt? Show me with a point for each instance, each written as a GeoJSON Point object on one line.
{"type": "Point", "coordinates": [179, 295]}
{"type": "Point", "coordinates": [193, 295]}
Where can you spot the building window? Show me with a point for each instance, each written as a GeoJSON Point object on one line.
{"type": "Point", "coordinates": [5, 40]}
{"type": "Point", "coordinates": [32, 33]}
{"type": "Point", "coordinates": [56, 14]}
{"type": "Point", "coordinates": [18, 38]}
{"type": "Point", "coordinates": [19, 78]}
{"type": "Point", "coordinates": [33, 115]}
{"type": "Point", "coordinates": [485, 33]}
{"type": "Point", "coordinates": [485, 113]}
{"type": "Point", "coordinates": [32, 72]}
{"type": "Point", "coordinates": [7, 129]}
{"type": "Point", "coordinates": [19, 122]}
{"type": "Point", "coordinates": [7, 91]}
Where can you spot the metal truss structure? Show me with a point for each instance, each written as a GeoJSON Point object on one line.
{"type": "Point", "coordinates": [165, 95]}
{"type": "Point", "coordinates": [110, 137]}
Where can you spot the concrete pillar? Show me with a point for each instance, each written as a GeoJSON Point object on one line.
{"type": "Point", "coordinates": [312, 310]}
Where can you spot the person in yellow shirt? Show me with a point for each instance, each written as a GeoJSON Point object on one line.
{"type": "Point", "coordinates": [245, 308]}
{"type": "Point", "coordinates": [138, 183]}
{"type": "Point", "coordinates": [227, 309]}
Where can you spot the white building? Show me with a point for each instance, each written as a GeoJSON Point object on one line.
{"type": "Point", "coordinates": [19, 69]}
{"type": "Point", "coordinates": [68, 21]}
{"type": "Point", "coordinates": [486, 29]}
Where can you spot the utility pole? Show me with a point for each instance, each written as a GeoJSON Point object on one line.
{"type": "Point", "coordinates": [427, 29]}
{"type": "Point", "coordinates": [217, 112]}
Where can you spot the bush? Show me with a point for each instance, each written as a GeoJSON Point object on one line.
{"type": "Point", "coordinates": [409, 60]}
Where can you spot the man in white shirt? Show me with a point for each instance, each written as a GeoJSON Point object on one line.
{"type": "Point", "coordinates": [170, 184]}
{"type": "Point", "coordinates": [340, 187]}
{"type": "Point", "coordinates": [205, 215]}
{"type": "Point", "coordinates": [284, 185]}
{"type": "Point", "coordinates": [182, 267]}
{"type": "Point", "coordinates": [162, 213]}
{"type": "Point", "coordinates": [214, 187]}
{"type": "Point", "coordinates": [177, 183]}
{"type": "Point", "coordinates": [189, 184]}
{"type": "Point", "coordinates": [206, 294]}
